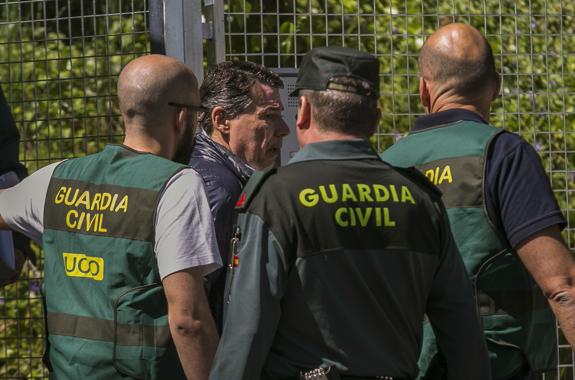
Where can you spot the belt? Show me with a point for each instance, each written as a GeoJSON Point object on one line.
{"type": "Point", "coordinates": [344, 377]}
{"type": "Point", "coordinates": [373, 378]}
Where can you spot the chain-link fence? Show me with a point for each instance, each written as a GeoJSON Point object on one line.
{"type": "Point", "coordinates": [59, 61]}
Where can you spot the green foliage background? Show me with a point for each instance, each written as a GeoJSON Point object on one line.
{"type": "Point", "coordinates": [59, 62]}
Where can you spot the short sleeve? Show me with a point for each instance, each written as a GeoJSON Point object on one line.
{"type": "Point", "coordinates": [22, 206]}
{"type": "Point", "coordinates": [519, 197]}
{"type": "Point", "coordinates": [184, 228]}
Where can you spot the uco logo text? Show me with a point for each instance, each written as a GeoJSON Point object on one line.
{"type": "Point", "coordinates": [80, 265]}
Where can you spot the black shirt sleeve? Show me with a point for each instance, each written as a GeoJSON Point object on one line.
{"type": "Point", "coordinates": [518, 194]}
{"type": "Point", "coordinates": [9, 140]}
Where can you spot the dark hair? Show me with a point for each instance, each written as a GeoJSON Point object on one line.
{"type": "Point", "coordinates": [228, 85]}
{"type": "Point", "coordinates": [345, 112]}
{"type": "Point", "coordinates": [465, 76]}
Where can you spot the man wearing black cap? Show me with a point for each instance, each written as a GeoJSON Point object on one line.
{"type": "Point", "coordinates": [339, 255]}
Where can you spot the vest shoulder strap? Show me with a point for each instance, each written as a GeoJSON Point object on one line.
{"type": "Point", "coordinates": [253, 186]}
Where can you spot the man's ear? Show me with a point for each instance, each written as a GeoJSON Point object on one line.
{"type": "Point", "coordinates": [424, 95]}
{"type": "Point", "coordinates": [181, 120]}
{"type": "Point", "coordinates": [378, 118]}
{"type": "Point", "coordinates": [303, 119]}
{"type": "Point", "coordinates": [497, 88]}
{"type": "Point", "coordinates": [220, 122]}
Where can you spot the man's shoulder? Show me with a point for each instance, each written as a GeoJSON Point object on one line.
{"type": "Point", "coordinates": [216, 169]}
{"type": "Point", "coordinates": [508, 147]}
{"type": "Point", "coordinates": [278, 182]}
{"type": "Point", "coordinates": [507, 142]}
{"type": "Point", "coordinates": [47, 171]}
{"type": "Point", "coordinates": [254, 186]}
{"type": "Point", "coordinates": [206, 164]}
{"type": "Point", "coordinates": [217, 177]}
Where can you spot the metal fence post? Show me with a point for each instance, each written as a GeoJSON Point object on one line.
{"type": "Point", "coordinates": [183, 33]}
{"type": "Point", "coordinates": [214, 33]}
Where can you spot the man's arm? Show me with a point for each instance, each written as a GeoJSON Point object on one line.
{"type": "Point", "coordinates": [191, 323]}
{"type": "Point", "coordinates": [550, 263]}
{"type": "Point", "coordinates": [22, 205]}
{"type": "Point", "coordinates": [258, 284]}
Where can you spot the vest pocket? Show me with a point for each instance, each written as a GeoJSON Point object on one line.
{"type": "Point", "coordinates": [506, 358]}
{"type": "Point", "coordinates": [141, 331]}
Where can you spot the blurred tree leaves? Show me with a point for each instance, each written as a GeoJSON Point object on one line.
{"type": "Point", "coordinates": [59, 63]}
{"type": "Point", "coordinates": [58, 69]}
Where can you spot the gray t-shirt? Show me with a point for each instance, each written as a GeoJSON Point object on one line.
{"type": "Point", "coordinates": [184, 231]}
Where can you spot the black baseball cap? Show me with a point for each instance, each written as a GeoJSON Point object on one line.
{"type": "Point", "coordinates": [321, 65]}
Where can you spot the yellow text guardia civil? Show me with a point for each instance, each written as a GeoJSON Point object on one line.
{"type": "Point", "coordinates": [355, 194]}
{"type": "Point", "coordinates": [85, 207]}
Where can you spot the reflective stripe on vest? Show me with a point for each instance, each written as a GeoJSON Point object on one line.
{"type": "Point", "coordinates": [105, 330]}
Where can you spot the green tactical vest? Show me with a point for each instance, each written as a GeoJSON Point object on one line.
{"type": "Point", "coordinates": [517, 321]}
{"type": "Point", "coordinates": [106, 312]}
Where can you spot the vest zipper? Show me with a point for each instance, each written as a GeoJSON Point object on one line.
{"type": "Point", "coordinates": [233, 263]}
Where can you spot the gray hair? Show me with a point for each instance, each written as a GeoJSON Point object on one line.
{"type": "Point", "coordinates": [228, 85]}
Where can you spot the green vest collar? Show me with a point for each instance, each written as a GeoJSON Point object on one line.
{"type": "Point", "coordinates": [124, 148]}
{"type": "Point", "coordinates": [446, 117]}
{"type": "Point", "coordinates": [336, 150]}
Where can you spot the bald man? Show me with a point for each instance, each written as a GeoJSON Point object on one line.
{"type": "Point", "coordinates": [502, 211]}
{"type": "Point", "coordinates": [124, 261]}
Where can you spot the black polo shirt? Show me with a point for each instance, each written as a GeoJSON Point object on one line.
{"type": "Point", "coordinates": [518, 194]}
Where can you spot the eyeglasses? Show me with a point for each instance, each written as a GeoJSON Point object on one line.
{"type": "Point", "coordinates": [188, 106]}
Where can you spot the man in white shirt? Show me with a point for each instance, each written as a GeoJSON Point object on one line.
{"type": "Point", "coordinates": [123, 271]}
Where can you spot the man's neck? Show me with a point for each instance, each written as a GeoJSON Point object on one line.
{"type": "Point", "coordinates": [444, 101]}
{"type": "Point", "coordinates": [321, 136]}
{"type": "Point", "coordinates": [219, 139]}
{"type": "Point", "coordinates": [469, 107]}
{"type": "Point", "coordinates": [145, 146]}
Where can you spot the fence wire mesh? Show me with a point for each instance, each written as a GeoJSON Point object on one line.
{"type": "Point", "coordinates": [60, 60]}
{"type": "Point", "coordinates": [59, 64]}
{"type": "Point", "coordinates": [534, 47]}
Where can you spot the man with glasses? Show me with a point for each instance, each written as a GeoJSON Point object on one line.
{"type": "Point", "coordinates": [124, 259]}
{"type": "Point", "coordinates": [242, 131]}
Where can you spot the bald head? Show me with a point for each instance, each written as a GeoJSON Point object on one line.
{"type": "Point", "coordinates": [148, 83]}
{"type": "Point", "coordinates": [458, 58]}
